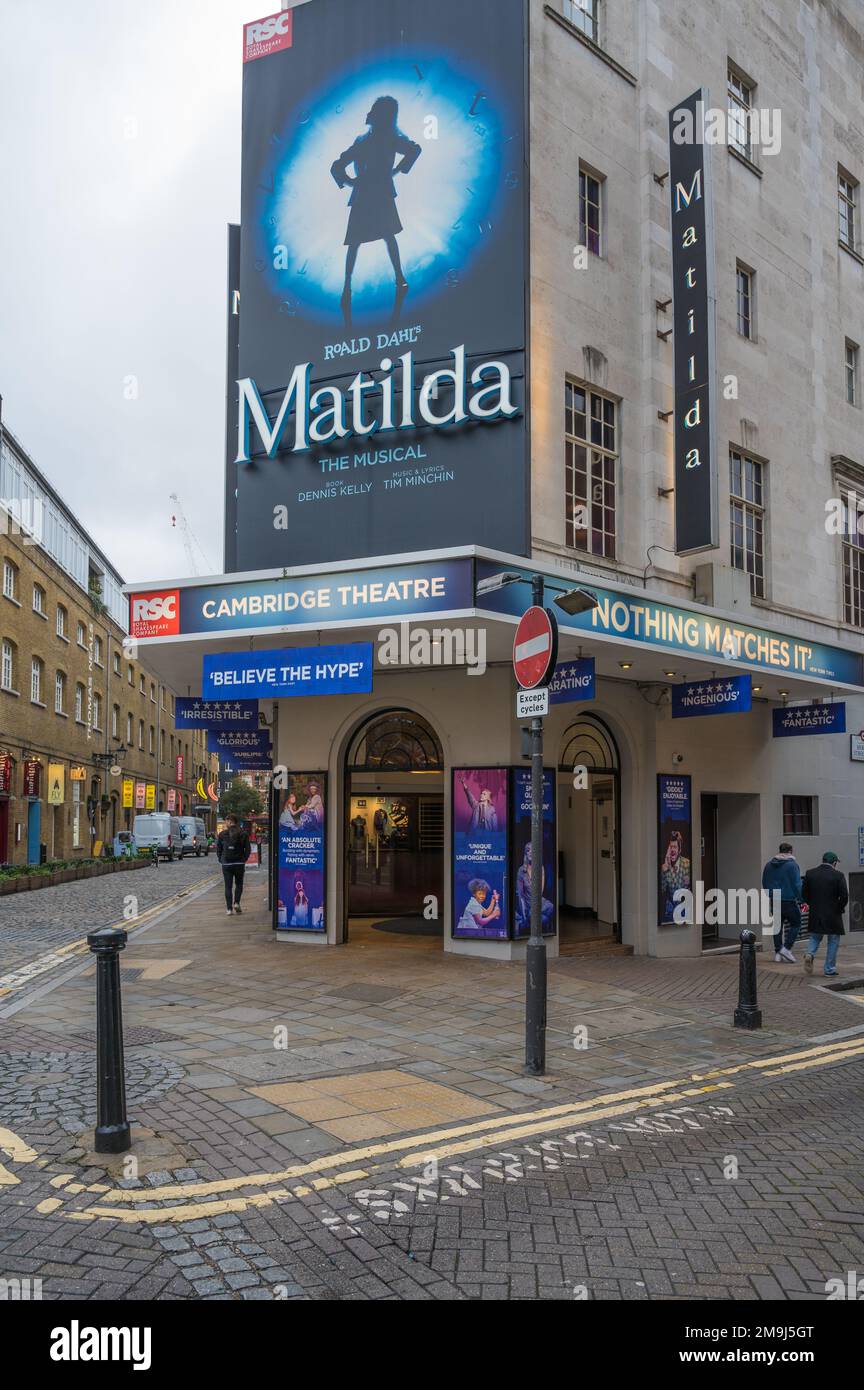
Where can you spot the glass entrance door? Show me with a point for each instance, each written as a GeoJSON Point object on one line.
{"type": "Point", "coordinates": [395, 853]}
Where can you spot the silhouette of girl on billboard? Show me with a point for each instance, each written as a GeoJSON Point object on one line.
{"type": "Point", "coordinates": [373, 215]}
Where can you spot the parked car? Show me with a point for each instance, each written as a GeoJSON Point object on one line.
{"type": "Point", "coordinates": [158, 833]}
{"type": "Point", "coordinates": [194, 837]}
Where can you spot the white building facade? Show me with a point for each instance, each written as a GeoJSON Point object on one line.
{"type": "Point", "coordinates": [779, 600]}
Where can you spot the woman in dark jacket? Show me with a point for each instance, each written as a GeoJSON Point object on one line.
{"type": "Point", "coordinates": [826, 894]}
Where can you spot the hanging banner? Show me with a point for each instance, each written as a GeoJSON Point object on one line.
{"type": "Point", "coordinates": [238, 741]}
{"type": "Point", "coordinates": [150, 797]}
{"type": "Point", "coordinates": [56, 784]}
{"type": "Point", "coordinates": [730, 696]}
{"type": "Point", "coordinates": [480, 900]}
{"type": "Point", "coordinates": [140, 795]}
{"type": "Point", "coordinates": [178, 769]}
{"type": "Point", "coordinates": [292, 671]}
{"type": "Point", "coordinates": [521, 866]}
{"type": "Point", "coordinates": [215, 714]}
{"type": "Point", "coordinates": [32, 777]}
{"type": "Point", "coordinates": [674, 841]}
{"type": "Point", "coordinates": [694, 327]}
{"type": "Point", "coordinates": [128, 793]}
{"type": "Point", "coordinates": [797, 720]}
{"type": "Point", "coordinates": [5, 774]}
{"type": "Point", "coordinates": [302, 854]}
{"type": "Point", "coordinates": [573, 680]}
{"type": "Point", "coordinates": [172, 800]}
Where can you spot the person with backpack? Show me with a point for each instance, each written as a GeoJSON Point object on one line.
{"type": "Point", "coordinates": [232, 850]}
{"type": "Point", "coordinates": [827, 895]}
{"type": "Point", "coordinates": [782, 874]}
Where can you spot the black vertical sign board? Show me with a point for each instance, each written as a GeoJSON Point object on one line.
{"type": "Point", "coordinates": [694, 315]}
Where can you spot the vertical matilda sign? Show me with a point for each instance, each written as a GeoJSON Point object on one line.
{"type": "Point", "coordinates": [694, 314]}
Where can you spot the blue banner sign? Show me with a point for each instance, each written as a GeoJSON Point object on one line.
{"type": "Point", "coordinates": [310, 600]}
{"type": "Point", "coordinates": [573, 680]}
{"type": "Point", "coordinates": [796, 720]}
{"type": "Point", "coordinates": [729, 696]}
{"type": "Point", "coordinates": [635, 619]}
{"type": "Point", "coordinates": [674, 842]}
{"type": "Point", "coordinates": [480, 874]}
{"type": "Point", "coordinates": [521, 867]}
{"type": "Point", "coordinates": [215, 714]}
{"type": "Point", "coordinates": [232, 763]}
{"type": "Point", "coordinates": [238, 741]}
{"type": "Point", "coordinates": [291, 671]}
{"type": "Point", "coordinates": [301, 878]}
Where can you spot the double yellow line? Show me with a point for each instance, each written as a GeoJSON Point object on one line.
{"type": "Point", "coordinates": [412, 1151]}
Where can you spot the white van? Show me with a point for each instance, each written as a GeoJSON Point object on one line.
{"type": "Point", "coordinates": [159, 833]}
{"type": "Point", "coordinates": [194, 837]}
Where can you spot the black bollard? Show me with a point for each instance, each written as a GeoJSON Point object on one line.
{"type": "Point", "coordinates": [112, 1126]}
{"type": "Point", "coordinates": [748, 1014]}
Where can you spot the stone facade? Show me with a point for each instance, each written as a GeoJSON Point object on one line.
{"type": "Point", "coordinates": [606, 107]}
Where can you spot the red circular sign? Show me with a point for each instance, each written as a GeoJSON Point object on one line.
{"type": "Point", "coordinates": [535, 648]}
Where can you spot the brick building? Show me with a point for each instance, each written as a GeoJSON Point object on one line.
{"type": "Point", "coordinates": [72, 694]}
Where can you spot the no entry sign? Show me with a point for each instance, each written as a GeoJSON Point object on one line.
{"type": "Point", "coordinates": [535, 649]}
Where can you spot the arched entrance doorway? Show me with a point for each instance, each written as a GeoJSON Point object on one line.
{"type": "Point", "coordinates": [589, 819]}
{"type": "Point", "coordinates": [394, 822]}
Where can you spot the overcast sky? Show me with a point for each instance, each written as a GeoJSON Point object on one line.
{"type": "Point", "coordinates": [119, 171]}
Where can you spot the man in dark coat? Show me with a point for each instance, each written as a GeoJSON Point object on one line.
{"type": "Point", "coordinates": [232, 850]}
{"type": "Point", "coordinates": [826, 894]}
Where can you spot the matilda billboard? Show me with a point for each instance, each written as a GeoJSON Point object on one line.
{"type": "Point", "coordinates": [381, 384]}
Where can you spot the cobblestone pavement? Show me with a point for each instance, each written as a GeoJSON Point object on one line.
{"type": "Point", "coordinates": [355, 1124]}
{"type": "Point", "coordinates": [34, 922]}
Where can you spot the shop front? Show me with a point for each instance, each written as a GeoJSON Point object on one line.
{"type": "Point", "coordinates": [386, 695]}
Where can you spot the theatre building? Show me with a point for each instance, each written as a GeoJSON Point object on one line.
{"type": "Point", "coordinates": [567, 339]}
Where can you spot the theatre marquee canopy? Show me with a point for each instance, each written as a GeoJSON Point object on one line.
{"type": "Point", "coordinates": [204, 614]}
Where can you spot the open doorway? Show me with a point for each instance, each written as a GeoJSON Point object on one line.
{"type": "Point", "coordinates": [394, 830]}
{"type": "Point", "coordinates": [589, 817]}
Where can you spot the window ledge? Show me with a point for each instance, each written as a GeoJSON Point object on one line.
{"type": "Point", "coordinates": [746, 161]}
{"type": "Point", "coordinates": [7, 690]}
{"type": "Point", "coordinates": [61, 714]}
{"type": "Point", "coordinates": [591, 45]}
{"type": "Point", "coordinates": [856, 256]}
{"type": "Point", "coordinates": [40, 614]}
{"type": "Point", "coordinates": [10, 599]}
{"type": "Point", "coordinates": [40, 704]}
{"type": "Point", "coordinates": [61, 638]}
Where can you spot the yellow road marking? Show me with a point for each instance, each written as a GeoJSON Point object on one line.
{"type": "Point", "coordinates": [814, 1062]}
{"type": "Point", "coordinates": [15, 1148]}
{"type": "Point", "coordinates": [50, 1204]}
{"type": "Point", "coordinates": [826, 1052]}
{"type": "Point", "coordinates": [7, 1179]}
{"type": "Point", "coordinates": [820, 1052]}
{"type": "Point", "coordinates": [373, 1151]}
{"type": "Point", "coordinates": [545, 1127]}
{"type": "Point", "coordinates": [421, 1148]}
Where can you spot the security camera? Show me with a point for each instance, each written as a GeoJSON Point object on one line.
{"type": "Point", "coordinates": [677, 759]}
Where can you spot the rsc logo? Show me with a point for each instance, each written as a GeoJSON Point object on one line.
{"type": "Point", "coordinates": [156, 614]}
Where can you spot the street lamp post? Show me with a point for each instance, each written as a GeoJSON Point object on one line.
{"type": "Point", "coordinates": [535, 962]}
{"type": "Point", "coordinates": [571, 601]}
